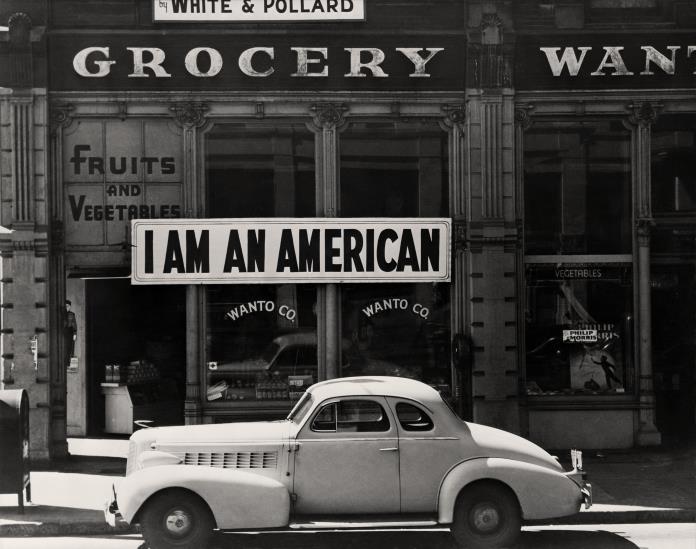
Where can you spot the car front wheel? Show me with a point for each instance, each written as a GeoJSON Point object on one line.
{"type": "Point", "coordinates": [486, 515]}
{"type": "Point", "coordinates": [176, 519]}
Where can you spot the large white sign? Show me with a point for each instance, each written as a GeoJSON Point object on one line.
{"type": "Point", "coordinates": [282, 250]}
{"type": "Point", "coordinates": [255, 11]}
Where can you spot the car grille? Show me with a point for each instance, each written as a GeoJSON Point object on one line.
{"type": "Point", "coordinates": [230, 460]}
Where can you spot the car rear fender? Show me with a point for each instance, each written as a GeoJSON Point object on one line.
{"type": "Point", "coordinates": [237, 499]}
{"type": "Point", "coordinates": [541, 492]}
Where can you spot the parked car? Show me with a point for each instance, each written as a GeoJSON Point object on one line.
{"type": "Point", "coordinates": [371, 447]}
{"type": "Point", "coordinates": [295, 353]}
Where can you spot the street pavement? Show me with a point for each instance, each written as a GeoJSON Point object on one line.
{"type": "Point", "coordinates": [597, 536]}
{"type": "Point", "coordinates": [648, 485]}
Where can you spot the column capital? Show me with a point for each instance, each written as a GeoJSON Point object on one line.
{"type": "Point", "coordinates": [455, 115]}
{"type": "Point", "coordinates": [60, 116]}
{"type": "Point", "coordinates": [643, 114]}
{"type": "Point", "coordinates": [523, 115]}
{"type": "Point", "coordinates": [190, 114]}
{"type": "Point", "coordinates": [327, 116]}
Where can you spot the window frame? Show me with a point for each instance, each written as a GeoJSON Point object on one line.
{"type": "Point", "coordinates": [336, 403]}
{"type": "Point", "coordinates": [431, 423]}
{"type": "Point", "coordinates": [562, 401]}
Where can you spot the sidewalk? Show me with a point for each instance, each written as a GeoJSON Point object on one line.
{"type": "Point", "coordinates": [638, 485]}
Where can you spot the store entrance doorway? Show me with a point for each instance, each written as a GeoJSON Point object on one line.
{"type": "Point", "coordinates": [134, 355]}
{"type": "Point", "coordinates": [674, 348]}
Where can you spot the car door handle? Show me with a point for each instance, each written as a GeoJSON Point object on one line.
{"type": "Point", "coordinates": [388, 449]}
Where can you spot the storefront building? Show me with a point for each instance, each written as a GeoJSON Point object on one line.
{"type": "Point", "coordinates": [454, 195]}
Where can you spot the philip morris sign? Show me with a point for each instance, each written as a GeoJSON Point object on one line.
{"type": "Point", "coordinates": [626, 61]}
{"type": "Point", "coordinates": [256, 11]}
{"type": "Point", "coordinates": [290, 250]}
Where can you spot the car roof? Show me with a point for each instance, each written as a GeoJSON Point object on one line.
{"type": "Point", "coordinates": [295, 338]}
{"type": "Point", "coordinates": [389, 386]}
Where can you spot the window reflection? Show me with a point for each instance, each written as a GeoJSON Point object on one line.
{"type": "Point", "coordinates": [577, 189]}
{"type": "Point", "coordinates": [261, 340]}
{"type": "Point", "coordinates": [396, 169]}
{"type": "Point", "coordinates": [674, 164]}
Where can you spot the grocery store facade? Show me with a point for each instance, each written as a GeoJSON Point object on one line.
{"type": "Point", "coordinates": [483, 202]}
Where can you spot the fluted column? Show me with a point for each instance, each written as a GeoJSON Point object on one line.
{"type": "Point", "coordinates": [26, 309]}
{"type": "Point", "coordinates": [454, 123]}
{"type": "Point", "coordinates": [493, 234]}
{"type": "Point", "coordinates": [191, 117]}
{"type": "Point", "coordinates": [328, 120]}
{"type": "Point", "coordinates": [641, 119]}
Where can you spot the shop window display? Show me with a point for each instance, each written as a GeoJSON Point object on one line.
{"type": "Point", "coordinates": [579, 307]}
{"type": "Point", "coordinates": [579, 329]}
{"type": "Point", "coordinates": [261, 340]}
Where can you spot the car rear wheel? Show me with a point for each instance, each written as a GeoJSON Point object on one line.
{"type": "Point", "coordinates": [177, 519]}
{"type": "Point", "coordinates": [486, 515]}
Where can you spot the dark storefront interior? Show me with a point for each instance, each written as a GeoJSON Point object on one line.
{"type": "Point", "coordinates": [127, 323]}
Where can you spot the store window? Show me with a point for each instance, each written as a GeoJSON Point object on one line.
{"type": "Point", "coordinates": [674, 164]}
{"type": "Point", "coordinates": [579, 329]}
{"type": "Point", "coordinates": [577, 189]}
{"type": "Point", "coordinates": [396, 169]}
{"type": "Point", "coordinates": [261, 340]}
{"type": "Point", "coordinates": [578, 242]}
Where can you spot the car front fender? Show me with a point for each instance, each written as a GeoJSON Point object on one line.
{"type": "Point", "coordinates": [237, 499]}
{"type": "Point", "coordinates": [542, 492]}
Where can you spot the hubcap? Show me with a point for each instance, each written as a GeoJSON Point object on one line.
{"type": "Point", "coordinates": [485, 518]}
{"type": "Point", "coordinates": [178, 522]}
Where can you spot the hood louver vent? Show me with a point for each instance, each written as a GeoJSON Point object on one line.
{"type": "Point", "coordinates": [231, 460]}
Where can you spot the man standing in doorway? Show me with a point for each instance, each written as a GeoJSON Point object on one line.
{"type": "Point", "coordinates": [69, 333]}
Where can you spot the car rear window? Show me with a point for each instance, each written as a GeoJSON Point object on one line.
{"type": "Point", "coordinates": [412, 418]}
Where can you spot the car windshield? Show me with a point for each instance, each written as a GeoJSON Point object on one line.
{"type": "Point", "coordinates": [269, 352]}
{"type": "Point", "coordinates": [300, 409]}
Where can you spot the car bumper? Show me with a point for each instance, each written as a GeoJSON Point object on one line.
{"type": "Point", "coordinates": [586, 491]}
{"type": "Point", "coordinates": [112, 516]}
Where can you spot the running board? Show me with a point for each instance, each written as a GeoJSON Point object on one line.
{"type": "Point", "coordinates": [358, 524]}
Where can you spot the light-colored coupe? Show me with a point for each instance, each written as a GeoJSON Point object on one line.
{"type": "Point", "coordinates": [377, 449]}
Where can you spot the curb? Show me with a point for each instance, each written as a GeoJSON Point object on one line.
{"type": "Point", "coordinates": [42, 529]}
{"type": "Point", "coordinates": [36, 529]}
{"type": "Point", "coordinates": [622, 517]}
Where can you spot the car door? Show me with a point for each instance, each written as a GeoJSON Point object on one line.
{"type": "Point", "coordinates": [426, 453]}
{"type": "Point", "coordinates": [347, 459]}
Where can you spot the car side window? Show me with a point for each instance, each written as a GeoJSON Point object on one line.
{"type": "Point", "coordinates": [413, 418]}
{"type": "Point", "coordinates": [352, 416]}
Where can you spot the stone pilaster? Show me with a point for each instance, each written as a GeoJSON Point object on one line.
{"type": "Point", "coordinates": [493, 237]}
{"type": "Point", "coordinates": [647, 435]}
{"type": "Point", "coordinates": [24, 341]}
{"type": "Point", "coordinates": [59, 118]}
{"type": "Point", "coordinates": [191, 118]}
{"type": "Point", "coordinates": [641, 117]}
{"type": "Point", "coordinates": [327, 122]}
